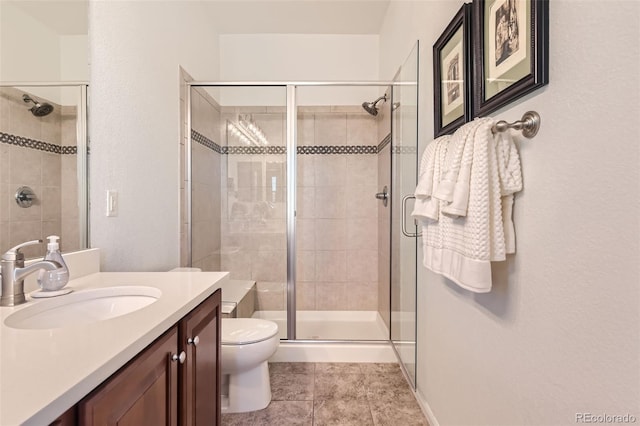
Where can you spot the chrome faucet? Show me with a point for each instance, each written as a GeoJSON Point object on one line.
{"type": "Point", "coordinates": [14, 272]}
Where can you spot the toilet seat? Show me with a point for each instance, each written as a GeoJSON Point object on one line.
{"type": "Point", "coordinates": [244, 331]}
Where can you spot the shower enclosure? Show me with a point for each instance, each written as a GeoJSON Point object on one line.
{"type": "Point", "coordinates": [284, 188]}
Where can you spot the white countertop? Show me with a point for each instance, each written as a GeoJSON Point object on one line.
{"type": "Point", "coordinates": [45, 372]}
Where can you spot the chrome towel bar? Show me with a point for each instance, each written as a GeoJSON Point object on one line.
{"type": "Point", "coordinates": [529, 124]}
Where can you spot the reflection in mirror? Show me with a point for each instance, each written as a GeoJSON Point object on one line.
{"type": "Point", "coordinates": [256, 166]}
{"type": "Point", "coordinates": [43, 41]}
{"type": "Point", "coordinates": [43, 167]}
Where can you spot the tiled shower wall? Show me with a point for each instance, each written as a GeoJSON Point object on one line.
{"type": "Point", "coordinates": [337, 216]}
{"type": "Point", "coordinates": [39, 152]}
{"type": "Point", "coordinates": [206, 172]}
{"type": "Point", "coordinates": [206, 182]}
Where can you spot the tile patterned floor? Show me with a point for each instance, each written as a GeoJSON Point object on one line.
{"type": "Point", "coordinates": [343, 394]}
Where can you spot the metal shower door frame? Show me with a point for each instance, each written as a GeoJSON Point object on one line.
{"type": "Point", "coordinates": [402, 197]}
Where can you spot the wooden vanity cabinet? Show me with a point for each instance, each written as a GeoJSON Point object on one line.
{"type": "Point", "coordinates": [144, 392]}
{"type": "Point", "coordinates": [156, 388]}
{"type": "Point", "coordinates": [69, 418]}
{"type": "Point", "coordinates": [200, 376]}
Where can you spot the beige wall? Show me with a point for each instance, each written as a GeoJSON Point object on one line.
{"type": "Point", "coordinates": [558, 335]}
{"type": "Point", "coordinates": [41, 53]}
{"type": "Point", "coordinates": [32, 55]}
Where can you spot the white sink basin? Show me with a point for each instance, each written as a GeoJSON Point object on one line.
{"type": "Point", "coordinates": [83, 307]}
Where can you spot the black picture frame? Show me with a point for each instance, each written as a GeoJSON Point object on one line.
{"type": "Point", "coordinates": [502, 72]}
{"type": "Point", "coordinates": [452, 99]}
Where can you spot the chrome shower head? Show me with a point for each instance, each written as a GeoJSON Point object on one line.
{"type": "Point", "coordinates": [372, 107]}
{"type": "Point", "coordinates": [38, 109]}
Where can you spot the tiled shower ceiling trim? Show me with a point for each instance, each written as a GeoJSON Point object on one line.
{"type": "Point", "coordinates": [35, 144]}
{"type": "Point", "coordinates": [203, 140]}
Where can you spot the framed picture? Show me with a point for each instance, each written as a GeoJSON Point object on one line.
{"type": "Point", "coordinates": [511, 51]}
{"type": "Point", "coordinates": [452, 74]}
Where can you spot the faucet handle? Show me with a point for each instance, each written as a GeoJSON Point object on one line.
{"type": "Point", "coordinates": [14, 252]}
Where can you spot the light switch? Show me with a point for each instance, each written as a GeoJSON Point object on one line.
{"type": "Point", "coordinates": [112, 203]}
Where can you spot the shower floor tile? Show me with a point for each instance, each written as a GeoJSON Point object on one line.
{"type": "Point", "coordinates": [341, 394]}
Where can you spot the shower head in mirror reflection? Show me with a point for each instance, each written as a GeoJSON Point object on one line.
{"type": "Point", "coordinates": [38, 109]}
{"type": "Point", "coordinates": [372, 107]}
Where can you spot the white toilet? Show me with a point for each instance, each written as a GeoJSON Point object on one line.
{"type": "Point", "coordinates": [247, 344]}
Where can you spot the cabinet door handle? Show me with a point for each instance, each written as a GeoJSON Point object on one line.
{"type": "Point", "coordinates": [193, 341]}
{"type": "Point", "coordinates": [181, 358]}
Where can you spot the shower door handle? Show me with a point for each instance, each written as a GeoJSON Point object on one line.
{"type": "Point", "coordinates": [404, 218]}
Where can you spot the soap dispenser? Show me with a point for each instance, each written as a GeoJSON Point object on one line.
{"type": "Point", "coordinates": [52, 282]}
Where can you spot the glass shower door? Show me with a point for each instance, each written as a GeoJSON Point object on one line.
{"type": "Point", "coordinates": [238, 194]}
{"type": "Point", "coordinates": [403, 229]}
{"type": "Point", "coordinates": [337, 282]}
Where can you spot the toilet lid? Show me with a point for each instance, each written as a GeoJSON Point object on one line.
{"type": "Point", "coordinates": [242, 331]}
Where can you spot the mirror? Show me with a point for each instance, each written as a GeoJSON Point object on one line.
{"type": "Point", "coordinates": [43, 123]}
{"type": "Point", "coordinates": [43, 41]}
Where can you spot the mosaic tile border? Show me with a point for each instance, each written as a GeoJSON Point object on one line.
{"type": "Point", "coordinates": [254, 150]}
{"type": "Point", "coordinates": [303, 150]}
{"type": "Point", "coordinates": [404, 150]}
{"type": "Point", "coordinates": [337, 149]}
{"type": "Point", "coordinates": [70, 150]}
{"type": "Point", "coordinates": [203, 140]}
{"type": "Point", "coordinates": [10, 139]}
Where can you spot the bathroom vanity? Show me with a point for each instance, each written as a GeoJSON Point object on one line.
{"type": "Point", "coordinates": [127, 367]}
{"type": "Point", "coordinates": [174, 381]}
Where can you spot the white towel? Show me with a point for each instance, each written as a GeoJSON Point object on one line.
{"type": "Point", "coordinates": [454, 188]}
{"type": "Point", "coordinates": [462, 248]}
{"type": "Point", "coordinates": [427, 207]}
{"type": "Point", "coordinates": [510, 173]}
{"type": "Point", "coordinates": [451, 165]}
{"type": "Point", "coordinates": [424, 188]}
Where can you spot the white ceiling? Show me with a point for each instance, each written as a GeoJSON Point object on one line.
{"type": "Point", "coordinates": [298, 16]}
{"type": "Point", "coordinates": [69, 17]}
